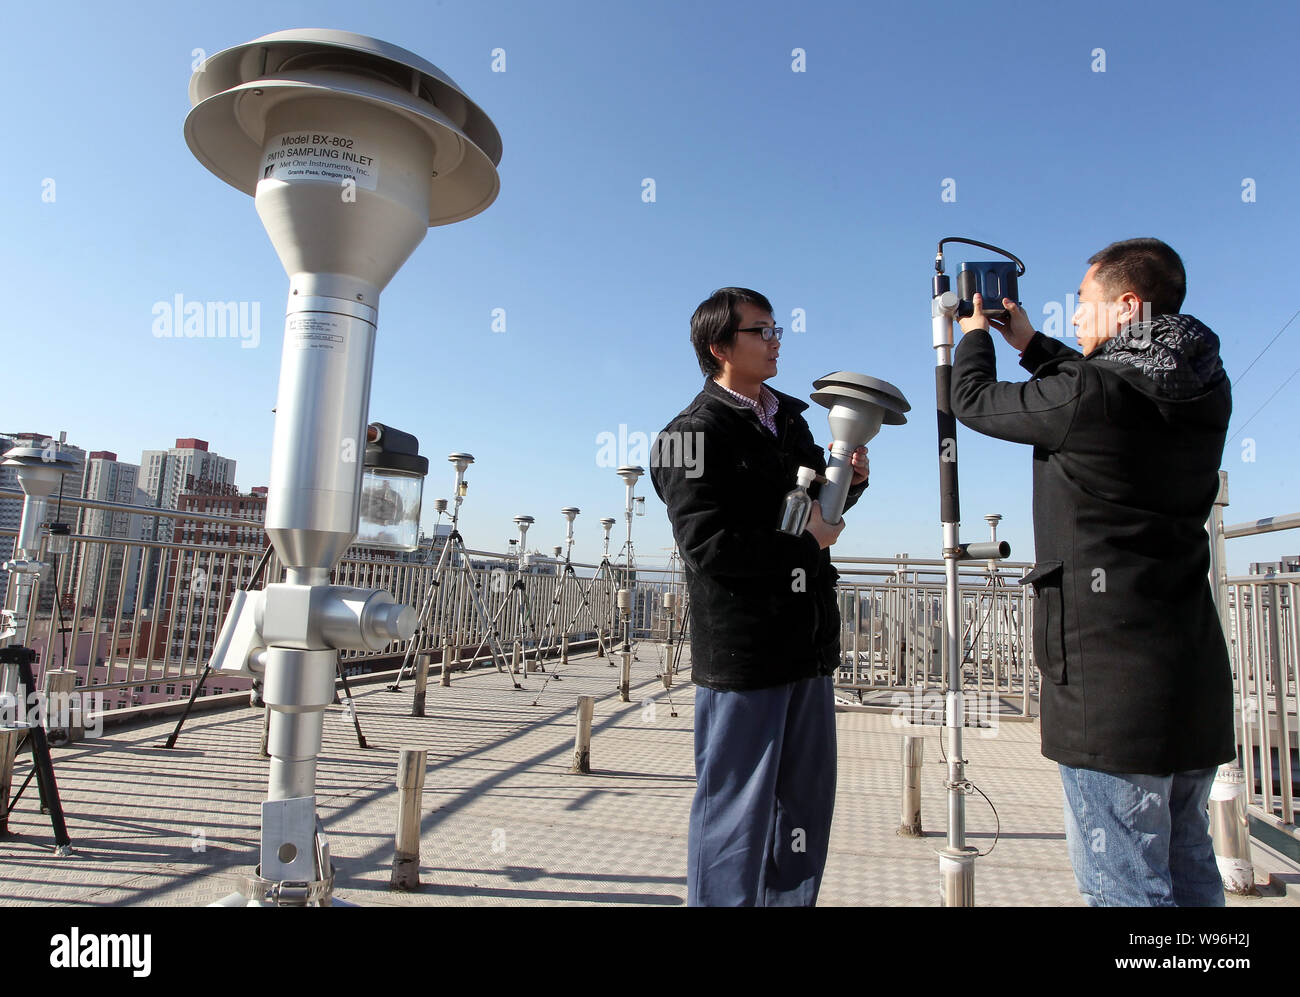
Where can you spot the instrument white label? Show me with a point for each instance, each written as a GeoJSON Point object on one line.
{"type": "Point", "coordinates": [319, 156]}
{"type": "Point", "coordinates": [314, 331]}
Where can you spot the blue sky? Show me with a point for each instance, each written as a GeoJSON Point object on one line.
{"type": "Point", "coordinates": [821, 188]}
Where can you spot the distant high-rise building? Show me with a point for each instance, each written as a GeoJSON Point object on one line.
{"type": "Point", "coordinates": [165, 475]}
{"type": "Point", "coordinates": [11, 512]}
{"type": "Point", "coordinates": [202, 585]}
{"type": "Point", "coordinates": [1282, 567]}
{"type": "Point", "coordinates": [101, 571]}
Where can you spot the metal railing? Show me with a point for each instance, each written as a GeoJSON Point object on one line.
{"type": "Point", "coordinates": [131, 614]}
{"type": "Point", "coordinates": [135, 613]}
{"type": "Point", "coordinates": [1260, 624]}
{"type": "Point", "coordinates": [893, 639]}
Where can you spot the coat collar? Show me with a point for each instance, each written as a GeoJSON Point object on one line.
{"type": "Point", "coordinates": [785, 403]}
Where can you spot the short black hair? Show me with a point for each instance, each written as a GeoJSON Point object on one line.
{"type": "Point", "coordinates": [1147, 267]}
{"type": "Point", "coordinates": [715, 321]}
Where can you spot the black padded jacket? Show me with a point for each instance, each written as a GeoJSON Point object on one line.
{"type": "Point", "coordinates": [763, 605]}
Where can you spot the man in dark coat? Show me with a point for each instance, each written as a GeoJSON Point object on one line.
{"type": "Point", "coordinates": [1136, 689]}
{"type": "Point", "coordinates": [764, 619]}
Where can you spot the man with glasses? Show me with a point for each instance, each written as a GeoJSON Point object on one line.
{"type": "Point", "coordinates": [764, 618]}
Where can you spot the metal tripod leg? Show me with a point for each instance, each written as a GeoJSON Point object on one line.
{"type": "Point", "coordinates": [352, 703]}
{"type": "Point", "coordinates": [681, 637]}
{"type": "Point", "coordinates": [545, 643]}
{"type": "Point", "coordinates": [591, 616]}
{"type": "Point", "coordinates": [430, 600]}
{"type": "Point", "coordinates": [42, 765]}
{"type": "Point", "coordinates": [491, 630]}
{"type": "Point", "coordinates": [488, 624]}
{"type": "Point", "coordinates": [527, 630]}
{"type": "Point", "coordinates": [585, 604]}
{"type": "Point", "coordinates": [180, 722]}
{"type": "Point", "coordinates": [674, 647]}
{"type": "Point", "coordinates": [606, 571]}
{"type": "Point", "coordinates": [207, 668]}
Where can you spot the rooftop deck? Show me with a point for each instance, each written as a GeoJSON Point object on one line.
{"type": "Point", "coordinates": [503, 820]}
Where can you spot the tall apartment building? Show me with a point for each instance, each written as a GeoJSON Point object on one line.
{"type": "Point", "coordinates": [165, 475]}
{"type": "Point", "coordinates": [202, 585]}
{"type": "Point", "coordinates": [11, 512]}
{"type": "Point", "coordinates": [102, 571]}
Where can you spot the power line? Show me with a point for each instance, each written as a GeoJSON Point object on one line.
{"type": "Point", "coordinates": [1262, 407]}
{"type": "Point", "coordinates": [1237, 380]}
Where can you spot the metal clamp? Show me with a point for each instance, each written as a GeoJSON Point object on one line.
{"type": "Point", "coordinates": [289, 891]}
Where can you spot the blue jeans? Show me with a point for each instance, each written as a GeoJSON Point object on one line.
{"type": "Point", "coordinates": [1141, 840]}
{"type": "Point", "coordinates": [761, 817]}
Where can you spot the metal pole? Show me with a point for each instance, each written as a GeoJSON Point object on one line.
{"type": "Point", "coordinates": [1229, 829]}
{"type": "Point", "coordinates": [582, 740]}
{"type": "Point", "coordinates": [910, 818]}
{"type": "Point", "coordinates": [421, 684]}
{"type": "Point", "coordinates": [957, 860]}
{"type": "Point", "coordinates": [266, 730]}
{"type": "Point", "coordinates": [625, 679]}
{"type": "Point", "coordinates": [10, 735]}
{"type": "Point", "coordinates": [410, 785]}
{"type": "Point", "coordinates": [60, 690]}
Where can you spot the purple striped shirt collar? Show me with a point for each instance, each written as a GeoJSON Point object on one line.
{"type": "Point", "coordinates": [765, 407]}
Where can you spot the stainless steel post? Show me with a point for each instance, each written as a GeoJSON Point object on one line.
{"type": "Point", "coordinates": [411, 767]}
{"type": "Point", "coordinates": [312, 505]}
{"type": "Point", "coordinates": [957, 860]}
{"type": "Point", "coordinates": [910, 815]}
{"type": "Point", "coordinates": [1229, 829]}
{"type": "Point", "coordinates": [582, 737]}
{"type": "Point", "coordinates": [625, 653]}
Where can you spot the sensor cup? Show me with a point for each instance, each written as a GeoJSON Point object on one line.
{"type": "Point", "coordinates": [570, 513]}
{"type": "Point", "coordinates": [858, 406]}
{"type": "Point", "coordinates": [523, 522]}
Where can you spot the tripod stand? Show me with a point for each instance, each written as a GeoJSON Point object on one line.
{"type": "Point", "coordinates": [21, 658]}
{"type": "Point", "coordinates": [667, 655]}
{"type": "Point", "coordinates": [550, 632]}
{"type": "Point", "coordinates": [606, 570]}
{"type": "Point", "coordinates": [627, 594]}
{"type": "Point", "coordinates": [524, 626]}
{"type": "Point", "coordinates": [455, 560]}
{"type": "Point", "coordinates": [1002, 617]}
{"type": "Point", "coordinates": [38, 471]}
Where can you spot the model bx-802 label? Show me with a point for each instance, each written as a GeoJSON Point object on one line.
{"type": "Point", "coordinates": [319, 156]}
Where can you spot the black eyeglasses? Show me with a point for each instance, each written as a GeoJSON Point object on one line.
{"type": "Point", "coordinates": [768, 332]}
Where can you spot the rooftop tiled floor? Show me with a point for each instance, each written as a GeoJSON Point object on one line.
{"type": "Point", "coordinates": [503, 820]}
